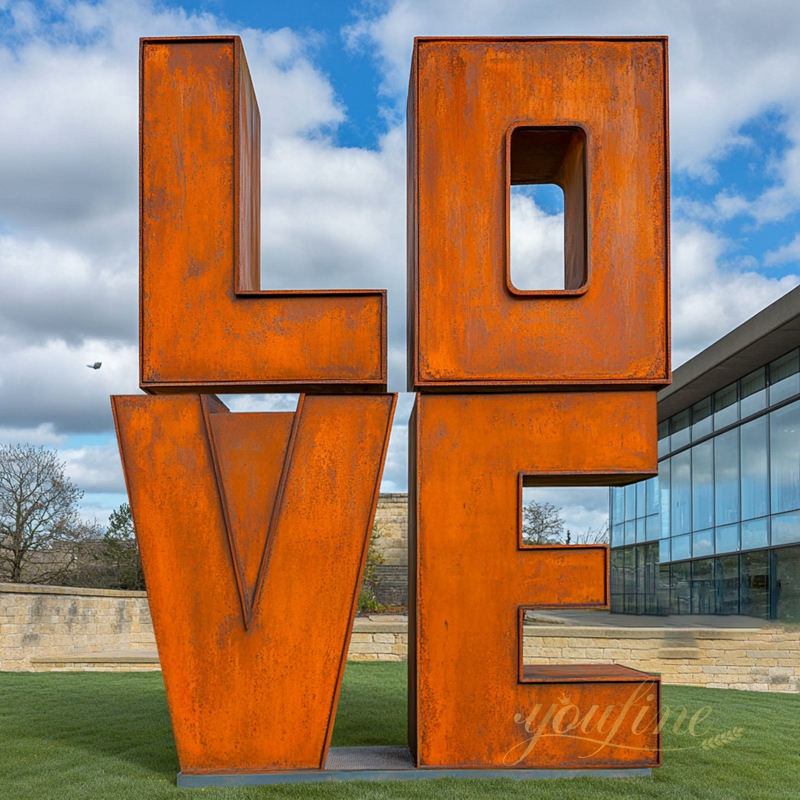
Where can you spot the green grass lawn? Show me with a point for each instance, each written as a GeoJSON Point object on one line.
{"type": "Point", "coordinates": [102, 736]}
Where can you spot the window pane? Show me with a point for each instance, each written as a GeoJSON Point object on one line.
{"type": "Point", "coordinates": [727, 539]}
{"type": "Point", "coordinates": [681, 493]}
{"type": "Point", "coordinates": [726, 407]}
{"type": "Point", "coordinates": [653, 497]}
{"type": "Point", "coordinates": [664, 491]}
{"type": "Point", "coordinates": [679, 428]}
{"type": "Point", "coordinates": [753, 392]}
{"type": "Point", "coordinates": [617, 510]}
{"type": "Point", "coordinates": [618, 535]}
{"type": "Point", "coordinates": [617, 571]}
{"type": "Point", "coordinates": [755, 584]}
{"type": "Point", "coordinates": [787, 583]}
{"type": "Point", "coordinates": [726, 474]}
{"type": "Point", "coordinates": [653, 527]}
{"type": "Point", "coordinates": [663, 550]}
{"type": "Point", "coordinates": [786, 528]}
{"type": "Point", "coordinates": [681, 589]}
{"type": "Point", "coordinates": [784, 380]}
{"type": "Point", "coordinates": [755, 477]}
{"type": "Point", "coordinates": [755, 533]}
{"type": "Point", "coordinates": [726, 578]}
{"type": "Point", "coordinates": [784, 441]}
{"type": "Point", "coordinates": [641, 509]}
{"type": "Point", "coordinates": [663, 438]}
{"type": "Point", "coordinates": [682, 547]}
{"type": "Point", "coordinates": [701, 419]}
{"type": "Point", "coordinates": [703, 543]}
{"type": "Point", "coordinates": [702, 485]}
{"type": "Point", "coordinates": [640, 529]}
{"type": "Point", "coordinates": [630, 502]}
{"type": "Point", "coordinates": [703, 570]}
{"type": "Point", "coordinates": [630, 532]}
{"type": "Point", "coordinates": [629, 572]}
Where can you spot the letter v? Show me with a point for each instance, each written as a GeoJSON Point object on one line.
{"type": "Point", "coordinates": [253, 537]}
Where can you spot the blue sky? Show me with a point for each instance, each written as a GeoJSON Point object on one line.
{"type": "Point", "coordinates": [331, 79]}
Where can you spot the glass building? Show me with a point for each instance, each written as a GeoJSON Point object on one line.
{"type": "Point", "coordinates": [718, 531]}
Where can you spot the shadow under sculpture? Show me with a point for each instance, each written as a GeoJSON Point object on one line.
{"type": "Point", "coordinates": [254, 528]}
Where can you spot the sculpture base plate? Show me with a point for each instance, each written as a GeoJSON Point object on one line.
{"type": "Point", "coordinates": [387, 764]}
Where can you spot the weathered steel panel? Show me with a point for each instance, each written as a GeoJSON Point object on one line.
{"type": "Point", "coordinates": [469, 456]}
{"type": "Point", "coordinates": [204, 323]}
{"type": "Point", "coordinates": [589, 114]}
{"type": "Point", "coordinates": [253, 535]}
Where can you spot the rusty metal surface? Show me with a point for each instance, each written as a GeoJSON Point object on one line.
{"type": "Point", "coordinates": [253, 531]}
{"type": "Point", "coordinates": [472, 579]}
{"type": "Point", "coordinates": [588, 114]}
{"type": "Point", "coordinates": [204, 323]}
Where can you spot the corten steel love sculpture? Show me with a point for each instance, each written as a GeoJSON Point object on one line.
{"type": "Point", "coordinates": [483, 114]}
{"type": "Point", "coordinates": [254, 528]}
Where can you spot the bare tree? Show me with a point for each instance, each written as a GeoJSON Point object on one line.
{"type": "Point", "coordinates": [39, 520]}
{"type": "Point", "coordinates": [541, 523]}
{"type": "Point", "coordinates": [590, 536]}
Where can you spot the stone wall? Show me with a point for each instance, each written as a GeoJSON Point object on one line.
{"type": "Point", "coordinates": [55, 628]}
{"type": "Point", "coordinates": [760, 659]}
{"type": "Point", "coordinates": [391, 518]}
{"type": "Point", "coordinates": [46, 621]}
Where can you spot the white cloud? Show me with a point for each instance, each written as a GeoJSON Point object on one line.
{"type": "Point", "coordinates": [332, 217]}
{"type": "Point", "coordinates": [786, 254]}
{"type": "Point", "coordinates": [710, 299]}
{"type": "Point", "coordinates": [537, 246]}
{"type": "Point", "coordinates": [729, 61]}
{"type": "Point", "coordinates": [95, 468]}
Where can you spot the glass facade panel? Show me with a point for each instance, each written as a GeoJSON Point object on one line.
{"type": "Point", "coordinates": [663, 551]}
{"type": "Point", "coordinates": [755, 533]}
{"type": "Point", "coordinates": [703, 594]}
{"type": "Point", "coordinates": [640, 530]}
{"type": "Point", "coordinates": [680, 429]}
{"type": "Point", "coordinates": [726, 539]}
{"type": "Point", "coordinates": [681, 595]}
{"type": "Point", "coordinates": [703, 543]}
{"type": "Point", "coordinates": [629, 571]}
{"type": "Point", "coordinates": [617, 505]}
{"type": "Point", "coordinates": [726, 581]}
{"type": "Point", "coordinates": [787, 583]}
{"type": "Point", "coordinates": [630, 502]}
{"type": "Point", "coordinates": [755, 584]}
{"type": "Point", "coordinates": [726, 477]}
{"type": "Point", "coordinates": [703, 485]}
{"type": "Point", "coordinates": [641, 506]}
{"type": "Point", "coordinates": [681, 547]}
{"type": "Point", "coordinates": [663, 438]}
{"type": "Point", "coordinates": [701, 419]}
{"type": "Point", "coordinates": [726, 406]}
{"type": "Point", "coordinates": [653, 497]}
{"type": "Point", "coordinates": [753, 392]}
{"type": "Point", "coordinates": [786, 528]}
{"type": "Point", "coordinates": [630, 532]}
{"type": "Point", "coordinates": [618, 535]}
{"type": "Point", "coordinates": [664, 492]}
{"type": "Point", "coordinates": [755, 477]}
{"type": "Point", "coordinates": [784, 451]}
{"type": "Point", "coordinates": [784, 377]}
{"type": "Point", "coordinates": [653, 528]}
{"type": "Point", "coordinates": [681, 493]}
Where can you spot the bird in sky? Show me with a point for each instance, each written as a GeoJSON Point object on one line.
{"type": "Point", "coordinates": [96, 365]}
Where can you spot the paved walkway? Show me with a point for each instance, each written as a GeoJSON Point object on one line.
{"type": "Point", "coordinates": [605, 619]}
